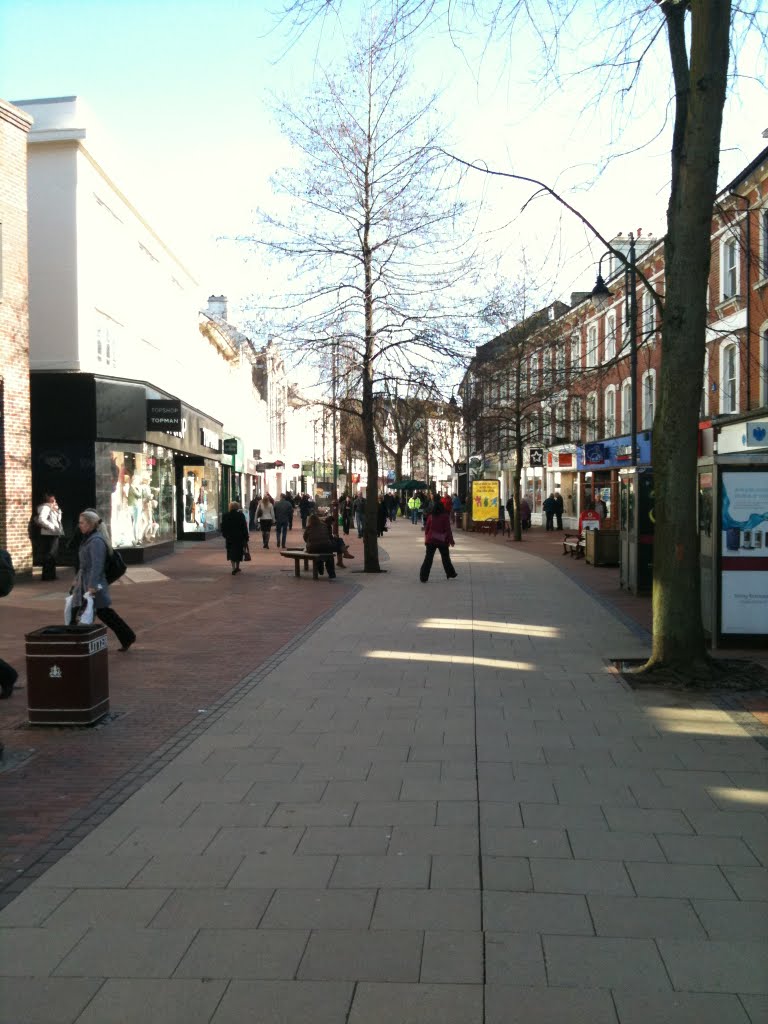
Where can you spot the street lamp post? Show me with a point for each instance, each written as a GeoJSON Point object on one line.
{"type": "Point", "coordinates": [455, 405]}
{"type": "Point", "coordinates": [601, 295]}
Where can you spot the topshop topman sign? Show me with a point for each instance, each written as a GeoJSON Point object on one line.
{"type": "Point", "coordinates": [164, 414]}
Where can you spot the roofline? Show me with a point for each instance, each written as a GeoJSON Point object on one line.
{"type": "Point", "coordinates": [760, 158]}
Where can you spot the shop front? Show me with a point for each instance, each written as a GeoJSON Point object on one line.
{"type": "Point", "coordinates": [149, 464]}
{"type": "Point", "coordinates": [563, 478]}
{"type": "Point", "coordinates": [598, 464]}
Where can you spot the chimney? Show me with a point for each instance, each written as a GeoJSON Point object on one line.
{"type": "Point", "coordinates": [217, 306]}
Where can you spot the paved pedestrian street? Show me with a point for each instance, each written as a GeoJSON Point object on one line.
{"type": "Point", "coordinates": [439, 805]}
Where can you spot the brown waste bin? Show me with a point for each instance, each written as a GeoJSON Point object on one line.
{"type": "Point", "coordinates": [67, 675]}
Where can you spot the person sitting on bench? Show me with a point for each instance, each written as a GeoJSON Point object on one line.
{"type": "Point", "coordinates": [317, 542]}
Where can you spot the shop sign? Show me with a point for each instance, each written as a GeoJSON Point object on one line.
{"type": "Point", "coordinates": [565, 460]}
{"type": "Point", "coordinates": [210, 439]}
{"type": "Point", "coordinates": [535, 457]}
{"type": "Point", "coordinates": [230, 446]}
{"type": "Point", "coordinates": [356, 478]}
{"type": "Point", "coordinates": [594, 454]}
{"type": "Point", "coordinates": [744, 553]}
{"type": "Point", "coordinates": [164, 414]}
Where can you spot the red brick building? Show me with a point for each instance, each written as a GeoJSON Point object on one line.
{"type": "Point", "coordinates": [15, 475]}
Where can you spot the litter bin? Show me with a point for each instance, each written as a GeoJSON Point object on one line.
{"type": "Point", "coordinates": [67, 675]}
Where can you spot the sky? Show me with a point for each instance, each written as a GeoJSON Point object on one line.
{"type": "Point", "coordinates": [180, 89]}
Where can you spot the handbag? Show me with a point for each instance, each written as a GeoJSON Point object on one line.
{"type": "Point", "coordinates": [246, 554]}
{"type": "Point", "coordinates": [114, 566]}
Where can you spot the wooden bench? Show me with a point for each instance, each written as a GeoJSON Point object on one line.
{"type": "Point", "coordinates": [307, 557]}
{"type": "Point", "coordinates": [573, 546]}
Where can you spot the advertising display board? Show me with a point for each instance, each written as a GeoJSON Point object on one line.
{"type": "Point", "coordinates": [485, 500]}
{"type": "Point", "coordinates": [744, 552]}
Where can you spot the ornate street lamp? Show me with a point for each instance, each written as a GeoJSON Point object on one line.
{"type": "Point", "coordinates": [601, 296]}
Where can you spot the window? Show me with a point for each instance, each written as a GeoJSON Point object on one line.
{"type": "Point", "coordinates": [592, 345]}
{"type": "Point", "coordinates": [575, 430]}
{"type": "Point", "coordinates": [610, 337]}
{"type": "Point", "coordinates": [704, 406]}
{"type": "Point", "coordinates": [729, 377]}
{"type": "Point", "coordinates": [609, 412]}
{"type": "Point", "coordinates": [106, 341]}
{"type": "Point", "coordinates": [763, 369]}
{"type": "Point", "coordinates": [592, 417]}
{"type": "Point", "coordinates": [575, 353]}
{"type": "Point", "coordinates": [546, 370]}
{"type": "Point", "coordinates": [764, 243]}
{"type": "Point", "coordinates": [729, 259]}
{"type": "Point", "coordinates": [534, 373]}
{"type": "Point", "coordinates": [626, 407]}
{"type": "Point", "coordinates": [561, 429]}
{"type": "Point", "coordinates": [649, 316]}
{"type": "Point", "coordinates": [560, 364]}
{"type": "Point", "coordinates": [649, 399]}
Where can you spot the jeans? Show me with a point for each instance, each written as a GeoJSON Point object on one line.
{"type": "Point", "coordinates": [550, 517]}
{"type": "Point", "coordinates": [359, 523]}
{"type": "Point", "coordinates": [414, 515]}
{"type": "Point", "coordinates": [119, 627]}
{"type": "Point", "coordinates": [281, 533]}
{"type": "Point", "coordinates": [50, 548]}
{"type": "Point", "coordinates": [445, 554]}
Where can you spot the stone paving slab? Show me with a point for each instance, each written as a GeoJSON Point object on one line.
{"type": "Point", "coordinates": [395, 815]}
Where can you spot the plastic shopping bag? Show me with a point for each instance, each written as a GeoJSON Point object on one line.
{"type": "Point", "coordinates": [86, 615]}
{"type": "Point", "coordinates": [68, 611]}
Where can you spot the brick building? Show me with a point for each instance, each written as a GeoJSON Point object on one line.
{"type": "Point", "coordinates": [15, 474]}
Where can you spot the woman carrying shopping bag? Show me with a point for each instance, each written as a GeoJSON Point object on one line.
{"type": "Point", "coordinates": [90, 580]}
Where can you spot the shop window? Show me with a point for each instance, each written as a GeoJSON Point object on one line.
{"type": "Point", "coordinates": [135, 493]}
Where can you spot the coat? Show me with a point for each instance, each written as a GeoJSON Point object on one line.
{"type": "Point", "coordinates": [234, 530]}
{"type": "Point", "coordinates": [90, 576]}
{"type": "Point", "coordinates": [317, 539]}
{"type": "Point", "coordinates": [549, 506]}
{"type": "Point", "coordinates": [265, 510]}
{"type": "Point", "coordinates": [437, 530]}
{"type": "Point", "coordinates": [283, 511]}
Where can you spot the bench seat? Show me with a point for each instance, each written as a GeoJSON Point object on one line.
{"type": "Point", "coordinates": [306, 557]}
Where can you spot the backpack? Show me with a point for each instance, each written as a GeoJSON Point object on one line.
{"type": "Point", "coordinates": [7, 573]}
{"type": "Point", "coordinates": [114, 566]}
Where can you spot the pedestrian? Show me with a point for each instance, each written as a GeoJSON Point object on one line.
{"type": "Point", "coordinates": [345, 515]}
{"type": "Point", "coordinates": [601, 508]}
{"type": "Point", "coordinates": [283, 510]}
{"type": "Point", "coordinates": [559, 509]}
{"type": "Point", "coordinates": [447, 503]}
{"type": "Point", "coordinates": [549, 507]}
{"type": "Point", "coordinates": [265, 513]}
{"type": "Point", "coordinates": [252, 506]}
{"type": "Point", "coordinates": [8, 674]}
{"type": "Point", "coordinates": [392, 507]}
{"type": "Point", "coordinates": [525, 514]}
{"type": "Point", "coordinates": [317, 541]}
{"type": "Point", "coordinates": [51, 532]}
{"type": "Point", "coordinates": [456, 508]}
{"type": "Point", "coordinates": [510, 507]}
{"type": "Point", "coordinates": [234, 530]}
{"type": "Point", "coordinates": [306, 506]}
{"type": "Point", "coordinates": [381, 517]}
{"type": "Point", "coordinates": [90, 579]}
{"type": "Point", "coordinates": [438, 537]}
{"type": "Point", "coordinates": [358, 510]}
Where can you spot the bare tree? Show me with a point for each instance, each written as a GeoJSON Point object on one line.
{"type": "Point", "coordinates": [372, 232]}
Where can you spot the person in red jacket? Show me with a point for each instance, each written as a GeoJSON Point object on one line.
{"type": "Point", "coordinates": [438, 537]}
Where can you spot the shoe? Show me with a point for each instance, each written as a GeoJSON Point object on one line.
{"type": "Point", "coordinates": [453, 576]}
{"type": "Point", "coordinates": [422, 579]}
{"type": "Point", "coordinates": [348, 553]}
{"type": "Point", "coordinates": [129, 644]}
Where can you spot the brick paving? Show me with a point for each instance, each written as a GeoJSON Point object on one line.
{"type": "Point", "coordinates": [439, 804]}
{"type": "Point", "coordinates": [200, 632]}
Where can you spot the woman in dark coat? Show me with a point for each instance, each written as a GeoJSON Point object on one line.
{"type": "Point", "coordinates": [438, 536]}
{"type": "Point", "coordinates": [234, 530]}
{"type": "Point", "coordinates": [90, 578]}
{"type": "Point", "coordinates": [381, 517]}
{"type": "Point", "coordinates": [317, 541]}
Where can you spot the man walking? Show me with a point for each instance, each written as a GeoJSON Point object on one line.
{"type": "Point", "coordinates": [283, 513]}
{"type": "Point", "coordinates": [559, 509]}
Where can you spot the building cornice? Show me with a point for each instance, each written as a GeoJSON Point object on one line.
{"type": "Point", "coordinates": [14, 116]}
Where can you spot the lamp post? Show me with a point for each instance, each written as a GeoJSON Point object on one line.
{"type": "Point", "coordinates": [601, 295]}
{"type": "Point", "coordinates": [455, 405]}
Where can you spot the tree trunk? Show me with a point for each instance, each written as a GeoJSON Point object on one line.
{"type": "Point", "coordinates": [678, 637]}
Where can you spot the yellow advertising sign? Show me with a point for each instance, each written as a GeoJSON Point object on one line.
{"type": "Point", "coordinates": [485, 500]}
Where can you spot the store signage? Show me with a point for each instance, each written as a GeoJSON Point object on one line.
{"type": "Point", "coordinates": [164, 414]}
{"type": "Point", "coordinates": [230, 446]}
{"type": "Point", "coordinates": [623, 452]}
{"type": "Point", "coordinates": [756, 435]}
{"type": "Point", "coordinates": [594, 454]}
{"type": "Point", "coordinates": [535, 457]}
{"type": "Point", "coordinates": [565, 460]}
{"type": "Point", "coordinates": [485, 500]}
{"type": "Point", "coordinates": [210, 439]}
